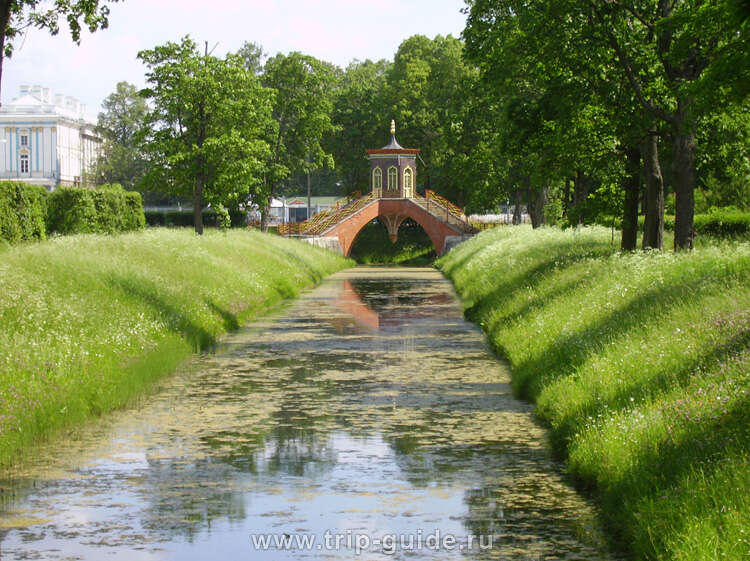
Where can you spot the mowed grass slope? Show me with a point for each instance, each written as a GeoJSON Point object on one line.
{"type": "Point", "coordinates": [640, 363]}
{"type": "Point", "coordinates": [88, 321]}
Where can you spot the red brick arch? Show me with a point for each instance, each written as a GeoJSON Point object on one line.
{"type": "Point", "coordinates": [348, 230]}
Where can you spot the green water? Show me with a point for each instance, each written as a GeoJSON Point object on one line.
{"type": "Point", "coordinates": [366, 420]}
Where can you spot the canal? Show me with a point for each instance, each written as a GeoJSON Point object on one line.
{"type": "Point", "coordinates": [365, 417]}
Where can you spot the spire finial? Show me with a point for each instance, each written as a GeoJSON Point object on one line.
{"type": "Point", "coordinates": [393, 126]}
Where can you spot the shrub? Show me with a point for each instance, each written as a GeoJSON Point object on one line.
{"type": "Point", "coordinates": [134, 216]}
{"type": "Point", "coordinates": [72, 210]}
{"type": "Point", "coordinates": [718, 222]}
{"type": "Point", "coordinates": [107, 209]}
{"type": "Point", "coordinates": [184, 218]}
{"type": "Point", "coordinates": [222, 217]}
{"type": "Point", "coordinates": [23, 209]}
{"type": "Point", "coordinates": [725, 223]}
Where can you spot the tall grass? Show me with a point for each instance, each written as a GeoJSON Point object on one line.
{"type": "Point", "coordinates": [640, 364]}
{"type": "Point", "coordinates": [88, 321]}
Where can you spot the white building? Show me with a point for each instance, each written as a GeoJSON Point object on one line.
{"type": "Point", "coordinates": [288, 210]}
{"type": "Point", "coordinates": [46, 141]}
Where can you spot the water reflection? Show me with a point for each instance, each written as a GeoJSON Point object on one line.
{"type": "Point", "coordinates": [368, 407]}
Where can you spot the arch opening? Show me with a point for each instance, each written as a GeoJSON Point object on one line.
{"type": "Point", "coordinates": [373, 244]}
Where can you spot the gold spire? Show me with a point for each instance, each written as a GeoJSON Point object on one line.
{"type": "Point", "coordinates": [393, 126]}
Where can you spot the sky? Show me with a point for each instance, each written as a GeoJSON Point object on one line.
{"type": "Point", "coordinates": [337, 31]}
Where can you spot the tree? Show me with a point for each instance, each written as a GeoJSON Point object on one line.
{"type": "Point", "coordinates": [360, 120]}
{"type": "Point", "coordinates": [18, 15]}
{"type": "Point", "coordinates": [681, 39]}
{"type": "Point", "coordinates": [253, 57]}
{"type": "Point", "coordinates": [302, 118]}
{"type": "Point", "coordinates": [205, 133]}
{"type": "Point", "coordinates": [426, 88]}
{"type": "Point", "coordinates": [121, 160]}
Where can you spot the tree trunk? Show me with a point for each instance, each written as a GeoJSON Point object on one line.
{"type": "Point", "coordinates": [198, 205]}
{"type": "Point", "coordinates": [200, 176]}
{"type": "Point", "coordinates": [566, 197]}
{"type": "Point", "coordinates": [264, 214]}
{"type": "Point", "coordinates": [309, 190]}
{"type": "Point", "coordinates": [517, 218]}
{"type": "Point", "coordinates": [536, 203]}
{"type": "Point", "coordinates": [632, 192]}
{"type": "Point", "coordinates": [4, 21]}
{"type": "Point", "coordinates": [684, 178]}
{"type": "Point", "coordinates": [653, 227]}
{"type": "Point", "coordinates": [580, 194]}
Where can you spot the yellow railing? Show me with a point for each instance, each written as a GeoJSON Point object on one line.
{"type": "Point", "coordinates": [453, 209]}
{"type": "Point", "coordinates": [340, 210]}
{"type": "Point", "coordinates": [315, 227]}
{"type": "Point", "coordinates": [435, 204]}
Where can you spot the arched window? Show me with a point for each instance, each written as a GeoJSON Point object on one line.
{"type": "Point", "coordinates": [377, 178]}
{"type": "Point", "coordinates": [408, 182]}
{"type": "Point", "coordinates": [392, 178]}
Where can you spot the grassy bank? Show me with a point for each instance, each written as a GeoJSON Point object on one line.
{"type": "Point", "coordinates": [413, 246]}
{"type": "Point", "coordinates": [640, 364]}
{"type": "Point", "coordinates": [88, 321]}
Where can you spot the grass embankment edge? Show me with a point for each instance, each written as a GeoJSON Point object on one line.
{"type": "Point", "coordinates": [89, 323]}
{"type": "Point", "coordinates": [639, 363]}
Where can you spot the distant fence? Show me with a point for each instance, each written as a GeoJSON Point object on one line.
{"type": "Point", "coordinates": [486, 221]}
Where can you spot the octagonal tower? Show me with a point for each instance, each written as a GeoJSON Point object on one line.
{"type": "Point", "coordinates": [393, 169]}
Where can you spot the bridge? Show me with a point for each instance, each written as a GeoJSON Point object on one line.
{"type": "Point", "coordinates": [392, 199]}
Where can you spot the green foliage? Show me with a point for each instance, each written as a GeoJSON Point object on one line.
{"type": "Point", "coordinates": [206, 133]}
{"type": "Point", "coordinates": [23, 211]}
{"type": "Point", "coordinates": [373, 246]}
{"type": "Point", "coordinates": [121, 159]}
{"type": "Point", "coordinates": [302, 108]}
{"type": "Point", "coordinates": [360, 117]}
{"type": "Point", "coordinates": [640, 364]}
{"type": "Point", "coordinates": [579, 85]}
{"type": "Point", "coordinates": [222, 216]}
{"type": "Point", "coordinates": [604, 204]}
{"type": "Point", "coordinates": [723, 166]}
{"type": "Point", "coordinates": [427, 87]}
{"type": "Point", "coordinates": [21, 14]}
{"type": "Point", "coordinates": [87, 323]}
{"type": "Point", "coordinates": [108, 209]}
{"type": "Point", "coordinates": [553, 211]}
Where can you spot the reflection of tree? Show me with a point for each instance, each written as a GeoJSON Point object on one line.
{"type": "Point", "coordinates": [185, 497]}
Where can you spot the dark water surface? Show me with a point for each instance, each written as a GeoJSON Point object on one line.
{"type": "Point", "coordinates": [367, 413]}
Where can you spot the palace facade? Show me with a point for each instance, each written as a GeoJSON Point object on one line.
{"type": "Point", "coordinates": [46, 141]}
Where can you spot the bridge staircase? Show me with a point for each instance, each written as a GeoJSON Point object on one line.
{"type": "Point", "coordinates": [323, 221]}
{"type": "Point", "coordinates": [437, 206]}
{"type": "Point", "coordinates": [445, 211]}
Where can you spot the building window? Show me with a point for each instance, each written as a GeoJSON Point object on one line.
{"type": "Point", "coordinates": [377, 178]}
{"type": "Point", "coordinates": [24, 163]}
{"type": "Point", "coordinates": [24, 140]}
{"type": "Point", "coordinates": [392, 178]}
{"type": "Point", "coordinates": [408, 182]}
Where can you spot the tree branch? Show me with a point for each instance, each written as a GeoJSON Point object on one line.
{"type": "Point", "coordinates": [627, 66]}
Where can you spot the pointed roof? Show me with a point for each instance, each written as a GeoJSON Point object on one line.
{"type": "Point", "coordinates": [393, 144]}
{"type": "Point", "coordinates": [393, 147]}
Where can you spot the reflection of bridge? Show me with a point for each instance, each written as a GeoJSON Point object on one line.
{"type": "Point", "coordinates": [392, 200]}
{"type": "Point", "coordinates": [359, 299]}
